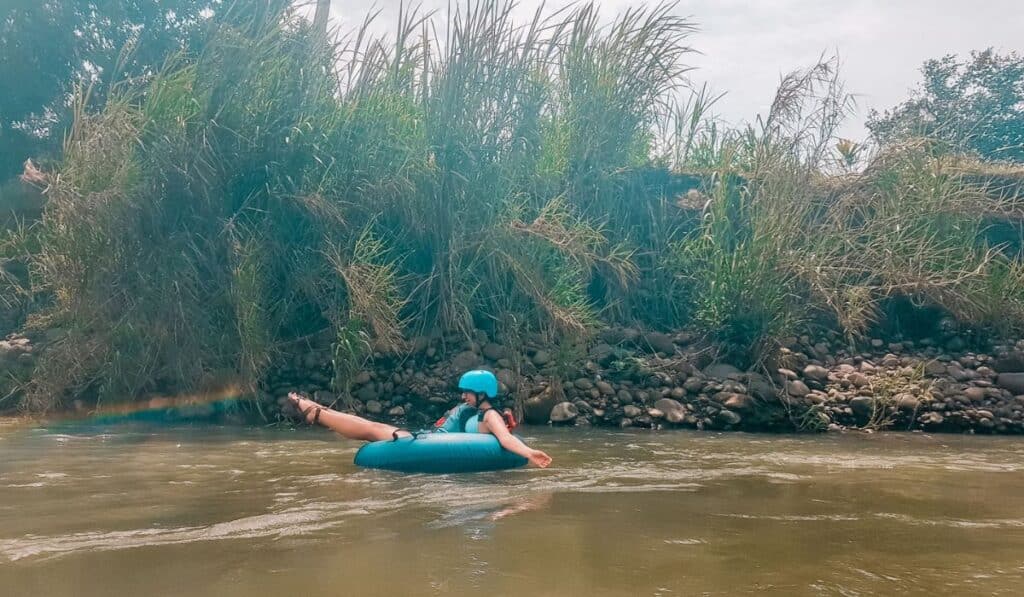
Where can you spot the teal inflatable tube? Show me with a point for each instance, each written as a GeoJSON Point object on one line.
{"type": "Point", "coordinates": [439, 453]}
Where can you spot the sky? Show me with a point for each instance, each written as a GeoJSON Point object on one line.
{"type": "Point", "coordinates": [746, 46]}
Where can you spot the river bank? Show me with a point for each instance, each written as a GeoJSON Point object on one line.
{"type": "Point", "coordinates": [626, 378]}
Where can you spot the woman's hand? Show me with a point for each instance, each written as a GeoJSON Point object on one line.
{"type": "Point", "coordinates": [539, 459]}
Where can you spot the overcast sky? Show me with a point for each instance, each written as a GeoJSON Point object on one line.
{"type": "Point", "coordinates": [746, 45]}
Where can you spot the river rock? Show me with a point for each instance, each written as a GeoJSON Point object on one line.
{"type": "Point", "coordinates": [816, 373]}
{"type": "Point", "coordinates": [797, 388]}
{"type": "Point", "coordinates": [674, 410]}
{"type": "Point", "coordinates": [741, 402]}
{"type": "Point", "coordinates": [727, 417]}
{"type": "Point", "coordinates": [583, 384]}
{"type": "Point", "coordinates": [368, 392]}
{"type": "Point", "coordinates": [974, 394]}
{"type": "Point", "coordinates": [563, 412]}
{"type": "Point", "coordinates": [494, 351]}
{"type": "Point", "coordinates": [1012, 362]}
{"type": "Point", "coordinates": [605, 388]}
{"type": "Point", "coordinates": [397, 411]}
{"type": "Point", "coordinates": [465, 360]}
{"type": "Point", "coordinates": [624, 397]}
{"type": "Point", "coordinates": [537, 408]}
{"type": "Point", "coordinates": [907, 402]}
{"type": "Point", "coordinates": [934, 368]}
{"type": "Point", "coordinates": [1014, 382]}
{"type": "Point", "coordinates": [721, 371]}
{"type": "Point", "coordinates": [374, 407]}
{"type": "Point", "coordinates": [631, 411]}
{"type": "Point", "coordinates": [541, 358]}
{"type": "Point", "coordinates": [862, 407]}
{"type": "Point", "coordinates": [655, 413]}
{"type": "Point", "coordinates": [659, 342]}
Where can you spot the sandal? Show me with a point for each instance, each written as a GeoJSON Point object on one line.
{"type": "Point", "coordinates": [305, 413]}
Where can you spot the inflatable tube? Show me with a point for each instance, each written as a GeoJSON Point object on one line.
{"type": "Point", "coordinates": [439, 453]}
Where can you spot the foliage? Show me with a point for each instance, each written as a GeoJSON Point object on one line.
{"type": "Point", "coordinates": [976, 105]}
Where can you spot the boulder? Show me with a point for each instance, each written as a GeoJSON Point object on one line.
{"type": "Point", "coordinates": [797, 388]}
{"type": "Point", "coordinates": [722, 371]}
{"type": "Point", "coordinates": [494, 351]}
{"type": "Point", "coordinates": [816, 373]}
{"type": "Point", "coordinates": [1014, 382]}
{"type": "Point", "coordinates": [563, 412]}
{"type": "Point", "coordinates": [466, 360]}
{"type": "Point", "coordinates": [537, 409]}
{"type": "Point", "coordinates": [674, 410]}
{"type": "Point", "coordinates": [727, 417]}
{"type": "Point", "coordinates": [659, 342]}
{"type": "Point", "coordinates": [631, 411]}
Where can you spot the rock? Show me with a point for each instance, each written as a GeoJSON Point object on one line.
{"type": "Point", "coordinates": [537, 409]}
{"type": "Point", "coordinates": [396, 411]}
{"type": "Point", "coordinates": [877, 343]}
{"type": "Point", "coordinates": [541, 358]}
{"type": "Point", "coordinates": [934, 368]}
{"type": "Point", "coordinates": [859, 380]}
{"type": "Point", "coordinates": [816, 373]}
{"type": "Point", "coordinates": [722, 371]}
{"type": "Point", "coordinates": [659, 342]}
{"type": "Point", "coordinates": [694, 385]}
{"type": "Point", "coordinates": [760, 386]}
{"type": "Point", "coordinates": [655, 413]}
{"type": "Point", "coordinates": [605, 388]}
{"type": "Point", "coordinates": [626, 423]}
{"type": "Point", "coordinates": [797, 388]}
{"type": "Point", "coordinates": [363, 377]}
{"type": "Point", "coordinates": [727, 417]}
{"type": "Point", "coordinates": [612, 335]}
{"type": "Point", "coordinates": [374, 407]}
{"type": "Point", "coordinates": [507, 377]}
{"type": "Point", "coordinates": [494, 351]}
{"type": "Point", "coordinates": [931, 419]}
{"type": "Point", "coordinates": [603, 354]}
{"type": "Point", "coordinates": [466, 360]}
{"type": "Point", "coordinates": [974, 394]}
{"type": "Point", "coordinates": [1009, 363]}
{"type": "Point", "coordinates": [674, 410]}
{"type": "Point", "coordinates": [624, 397]}
{"type": "Point", "coordinates": [740, 402]}
{"type": "Point", "coordinates": [368, 392]}
{"type": "Point", "coordinates": [787, 374]}
{"type": "Point", "coordinates": [563, 412]}
{"type": "Point", "coordinates": [1014, 382]}
{"type": "Point", "coordinates": [583, 384]}
{"type": "Point", "coordinates": [862, 407]}
{"type": "Point", "coordinates": [632, 412]}
{"type": "Point", "coordinates": [324, 397]}
{"type": "Point", "coordinates": [907, 402]}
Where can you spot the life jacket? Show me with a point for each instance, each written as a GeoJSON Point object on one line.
{"type": "Point", "coordinates": [464, 418]}
{"type": "Point", "coordinates": [455, 420]}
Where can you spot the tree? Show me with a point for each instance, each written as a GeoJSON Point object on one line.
{"type": "Point", "coordinates": [976, 105]}
{"type": "Point", "coordinates": [47, 46]}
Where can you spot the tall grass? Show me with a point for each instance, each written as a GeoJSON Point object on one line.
{"type": "Point", "coordinates": [468, 172]}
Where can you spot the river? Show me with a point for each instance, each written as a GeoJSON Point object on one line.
{"type": "Point", "coordinates": [229, 511]}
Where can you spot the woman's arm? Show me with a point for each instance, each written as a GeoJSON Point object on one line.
{"type": "Point", "coordinates": [496, 426]}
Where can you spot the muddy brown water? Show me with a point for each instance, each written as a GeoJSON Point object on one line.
{"type": "Point", "coordinates": [225, 511]}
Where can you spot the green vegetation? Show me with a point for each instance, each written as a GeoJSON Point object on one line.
{"type": "Point", "coordinates": [975, 105]}
{"type": "Point", "coordinates": [264, 187]}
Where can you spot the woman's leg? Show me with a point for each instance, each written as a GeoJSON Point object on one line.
{"type": "Point", "coordinates": [349, 426]}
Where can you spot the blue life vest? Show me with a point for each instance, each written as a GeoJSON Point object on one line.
{"type": "Point", "coordinates": [461, 419]}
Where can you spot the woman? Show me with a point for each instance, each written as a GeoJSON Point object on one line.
{"type": "Point", "coordinates": [476, 414]}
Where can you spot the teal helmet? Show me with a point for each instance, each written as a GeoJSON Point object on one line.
{"type": "Point", "coordinates": [479, 382]}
